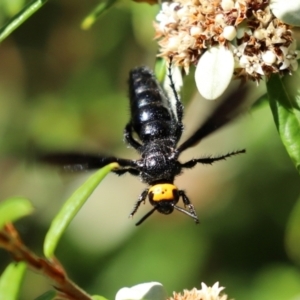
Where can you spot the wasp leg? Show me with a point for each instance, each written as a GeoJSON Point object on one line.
{"type": "Point", "coordinates": [131, 171]}
{"type": "Point", "coordinates": [189, 205]}
{"type": "Point", "coordinates": [179, 106]}
{"type": "Point", "coordinates": [210, 160]}
{"type": "Point", "coordinates": [126, 165]}
{"type": "Point", "coordinates": [141, 199]}
{"type": "Point", "coordinates": [129, 138]}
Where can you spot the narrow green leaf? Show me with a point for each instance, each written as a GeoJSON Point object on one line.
{"type": "Point", "coordinates": [13, 209]}
{"type": "Point", "coordinates": [71, 207]}
{"type": "Point", "coordinates": [21, 17]}
{"type": "Point", "coordinates": [11, 280]}
{"type": "Point", "coordinates": [96, 13]}
{"type": "Point", "coordinates": [49, 295]}
{"type": "Point", "coordinates": [160, 69]}
{"type": "Point", "coordinates": [284, 101]}
{"type": "Point", "coordinates": [292, 236]}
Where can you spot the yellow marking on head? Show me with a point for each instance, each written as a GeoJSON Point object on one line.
{"type": "Point", "coordinates": [163, 191]}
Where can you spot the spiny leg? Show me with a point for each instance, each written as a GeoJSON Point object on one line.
{"type": "Point", "coordinates": [131, 171]}
{"type": "Point", "coordinates": [127, 166]}
{"type": "Point", "coordinates": [141, 199]}
{"type": "Point", "coordinates": [210, 160]}
{"type": "Point", "coordinates": [179, 106]}
{"type": "Point", "coordinates": [189, 205]}
{"type": "Point", "coordinates": [129, 138]}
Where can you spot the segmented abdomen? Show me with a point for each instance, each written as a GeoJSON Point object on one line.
{"type": "Point", "coordinates": [151, 115]}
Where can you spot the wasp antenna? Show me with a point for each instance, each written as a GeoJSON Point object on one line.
{"type": "Point", "coordinates": [192, 215]}
{"type": "Point", "coordinates": [146, 216]}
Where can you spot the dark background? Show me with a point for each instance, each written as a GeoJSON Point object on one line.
{"type": "Point", "coordinates": [63, 88]}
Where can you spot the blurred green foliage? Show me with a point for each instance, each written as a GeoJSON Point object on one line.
{"type": "Point", "coordinates": [62, 88]}
{"type": "Point", "coordinates": [14, 273]}
{"type": "Point", "coordinates": [13, 209]}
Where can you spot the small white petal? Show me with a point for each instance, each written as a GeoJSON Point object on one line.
{"type": "Point", "coordinates": [182, 11]}
{"type": "Point", "coordinates": [284, 50]}
{"type": "Point", "coordinates": [269, 57]}
{"type": "Point", "coordinates": [219, 19]}
{"type": "Point", "coordinates": [146, 291]}
{"type": "Point", "coordinates": [165, 6]}
{"type": "Point", "coordinates": [195, 30]}
{"type": "Point", "coordinates": [287, 11]}
{"type": "Point", "coordinates": [214, 72]}
{"type": "Point", "coordinates": [204, 287]}
{"type": "Point", "coordinates": [258, 69]}
{"type": "Point", "coordinates": [260, 33]}
{"type": "Point", "coordinates": [229, 33]}
{"type": "Point", "coordinates": [173, 5]}
{"type": "Point", "coordinates": [286, 63]}
{"type": "Point", "coordinates": [227, 4]}
{"type": "Point", "coordinates": [244, 61]}
{"type": "Point", "coordinates": [173, 43]}
{"type": "Point", "coordinates": [216, 290]}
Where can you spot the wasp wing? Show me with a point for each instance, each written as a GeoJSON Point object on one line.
{"type": "Point", "coordinates": [224, 113]}
{"type": "Point", "coordinates": [76, 162]}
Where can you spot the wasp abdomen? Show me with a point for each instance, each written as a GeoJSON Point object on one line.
{"type": "Point", "coordinates": [151, 117]}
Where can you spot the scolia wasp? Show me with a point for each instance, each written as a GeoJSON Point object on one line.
{"type": "Point", "coordinates": [158, 125]}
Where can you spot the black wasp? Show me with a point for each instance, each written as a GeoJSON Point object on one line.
{"type": "Point", "coordinates": [158, 126]}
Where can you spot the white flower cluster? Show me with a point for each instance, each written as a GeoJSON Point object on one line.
{"type": "Point", "coordinates": [206, 293]}
{"type": "Point", "coordinates": [259, 42]}
{"type": "Point", "coordinates": [155, 291]}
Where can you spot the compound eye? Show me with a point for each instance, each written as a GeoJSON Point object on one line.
{"type": "Point", "coordinates": [164, 191]}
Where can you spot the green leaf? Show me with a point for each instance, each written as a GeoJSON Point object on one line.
{"type": "Point", "coordinates": [21, 17]}
{"type": "Point", "coordinates": [292, 237]}
{"type": "Point", "coordinates": [96, 13]}
{"type": "Point", "coordinates": [71, 207]}
{"type": "Point", "coordinates": [49, 295]}
{"type": "Point", "coordinates": [284, 99]}
{"type": "Point", "coordinates": [10, 281]}
{"type": "Point", "coordinates": [160, 69]}
{"type": "Point", "coordinates": [13, 209]}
